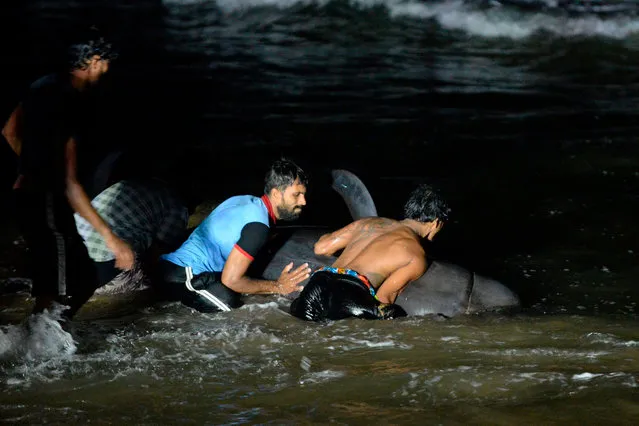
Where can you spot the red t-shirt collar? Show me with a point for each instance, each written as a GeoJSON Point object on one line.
{"type": "Point", "coordinates": [269, 207]}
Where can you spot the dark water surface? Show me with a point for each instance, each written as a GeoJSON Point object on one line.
{"type": "Point", "coordinates": [523, 113]}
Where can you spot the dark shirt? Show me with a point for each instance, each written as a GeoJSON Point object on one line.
{"type": "Point", "coordinates": [51, 111]}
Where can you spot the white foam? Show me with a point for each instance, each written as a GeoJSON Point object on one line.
{"type": "Point", "coordinates": [40, 338]}
{"type": "Point", "coordinates": [458, 15]}
{"type": "Point", "coordinates": [350, 343]}
{"type": "Point", "coordinates": [584, 377]}
{"type": "Point", "coordinates": [610, 339]}
{"type": "Point", "coordinates": [321, 377]}
{"type": "Point", "coordinates": [491, 23]}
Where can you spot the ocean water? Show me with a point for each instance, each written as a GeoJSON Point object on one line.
{"type": "Point", "coordinates": [522, 112]}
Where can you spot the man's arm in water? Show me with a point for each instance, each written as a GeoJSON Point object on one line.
{"type": "Point", "coordinates": [234, 276]}
{"type": "Point", "coordinates": [79, 201]}
{"type": "Point", "coordinates": [392, 286]}
{"type": "Point", "coordinates": [12, 128]}
{"type": "Point", "coordinates": [334, 241]}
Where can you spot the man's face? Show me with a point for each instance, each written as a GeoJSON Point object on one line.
{"type": "Point", "coordinates": [97, 68]}
{"type": "Point", "coordinates": [292, 199]}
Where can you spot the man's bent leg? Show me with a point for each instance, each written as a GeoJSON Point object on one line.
{"type": "Point", "coordinates": [208, 294]}
{"type": "Point", "coordinates": [205, 292]}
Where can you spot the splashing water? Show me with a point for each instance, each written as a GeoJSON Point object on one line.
{"type": "Point", "coordinates": [39, 338]}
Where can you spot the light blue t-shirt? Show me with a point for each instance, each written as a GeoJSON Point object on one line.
{"type": "Point", "coordinates": [208, 247]}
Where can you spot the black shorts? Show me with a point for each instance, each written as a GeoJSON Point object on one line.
{"type": "Point", "coordinates": [203, 292]}
{"type": "Point", "coordinates": [59, 263]}
{"type": "Point", "coordinates": [330, 296]}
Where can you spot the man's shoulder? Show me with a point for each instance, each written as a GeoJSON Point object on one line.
{"type": "Point", "coordinates": [374, 223]}
{"type": "Point", "coordinates": [50, 88]}
{"type": "Point", "coordinates": [378, 219]}
{"type": "Point", "coordinates": [246, 203]}
{"type": "Point", "coordinates": [241, 200]}
{"type": "Point", "coordinates": [240, 209]}
{"type": "Point", "coordinates": [405, 253]}
{"type": "Point", "coordinates": [410, 247]}
{"type": "Point", "coordinates": [49, 81]}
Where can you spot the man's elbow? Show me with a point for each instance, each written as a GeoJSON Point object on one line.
{"type": "Point", "coordinates": [234, 283]}
{"type": "Point", "coordinates": [320, 249]}
{"type": "Point", "coordinates": [12, 138]}
{"type": "Point", "coordinates": [385, 298]}
{"type": "Point", "coordinates": [388, 299]}
{"type": "Point", "coordinates": [230, 284]}
{"type": "Point", "coordinates": [387, 295]}
{"type": "Point", "coordinates": [71, 188]}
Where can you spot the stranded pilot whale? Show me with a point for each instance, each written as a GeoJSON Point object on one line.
{"type": "Point", "coordinates": [445, 289]}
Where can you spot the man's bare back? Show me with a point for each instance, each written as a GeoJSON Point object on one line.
{"type": "Point", "coordinates": [379, 258]}
{"type": "Point", "coordinates": [388, 252]}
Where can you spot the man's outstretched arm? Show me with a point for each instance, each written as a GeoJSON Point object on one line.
{"type": "Point", "coordinates": [234, 276]}
{"type": "Point", "coordinates": [334, 241]}
{"type": "Point", "coordinates": [252, 239]}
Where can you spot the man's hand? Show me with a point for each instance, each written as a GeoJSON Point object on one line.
{"type": "Point", "coordinates": [124, 256]}
{"type": "Point", "coordinates": [289, 280]}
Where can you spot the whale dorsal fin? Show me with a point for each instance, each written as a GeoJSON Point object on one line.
{"type": "Point", "coordinates": [354, 193]}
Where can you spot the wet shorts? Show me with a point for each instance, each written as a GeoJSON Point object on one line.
{"type": "Point", "coordinates": [203, 292]}
{"type": "Point", "coordinates": [333, 296]}
{"type": "Point", "coordinates": [352, 273]}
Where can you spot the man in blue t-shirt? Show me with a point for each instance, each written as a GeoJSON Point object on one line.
{"type": "Point", "coordinates": [208, 272]}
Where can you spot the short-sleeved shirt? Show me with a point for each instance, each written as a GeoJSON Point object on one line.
{"type": "Point", "coordinates": [137, 212]}
{"type": "Point", "coordinates": [241, 222]}
{"type": "Point", "coordinates": [51, 115]}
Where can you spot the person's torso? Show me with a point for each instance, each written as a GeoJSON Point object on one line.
{"type": "Point", "coordinates": [209, 245]}
{"type": "Point", "coordinates": [50, 113]}
{"type": "Point", "coordinates": [382, 246]}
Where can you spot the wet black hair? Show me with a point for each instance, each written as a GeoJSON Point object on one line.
{"type": "Point", "coordinates": [80, 53]}
{"type": "Point", "coordinates": [425, 205]}
{"type": "Point", "coordinates": [283, 174]}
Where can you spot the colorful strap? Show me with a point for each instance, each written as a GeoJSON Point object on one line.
{"type": "Point", "coordinates": [344, 271]}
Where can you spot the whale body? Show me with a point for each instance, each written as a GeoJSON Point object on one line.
{"type": "Point", "coordinates": [445, 289]}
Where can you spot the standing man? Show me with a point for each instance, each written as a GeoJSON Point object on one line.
{"type": "Point", "coordinates": [208, 272]}
{"type": "Point", "coordinates": [43, 131]}
{"type": "Point", "coordinates": [379, 258]}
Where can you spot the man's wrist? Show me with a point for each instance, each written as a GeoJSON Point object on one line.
{"type": "Point", "coordinates": [109, 237]}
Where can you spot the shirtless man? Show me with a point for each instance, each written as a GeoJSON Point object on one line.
{"type": "Point", "coordinates": [380, 256]}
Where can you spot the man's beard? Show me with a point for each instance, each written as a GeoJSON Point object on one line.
{"type": "Point", "coordinates": [285, 214]}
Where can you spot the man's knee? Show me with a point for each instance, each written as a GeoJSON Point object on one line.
{"type": "Point", "coordinates": [208, 294]}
